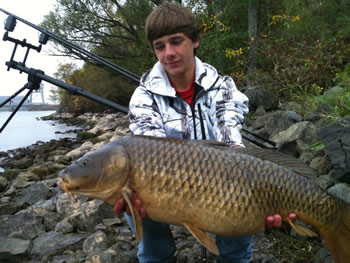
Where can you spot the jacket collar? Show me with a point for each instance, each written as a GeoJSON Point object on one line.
{"type": "Point", "coordinates": [156, 80]}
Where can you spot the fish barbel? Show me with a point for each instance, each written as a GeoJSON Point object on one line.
{"type": "Point", "coordinates": [207, 188]}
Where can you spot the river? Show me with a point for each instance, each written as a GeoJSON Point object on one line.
{"type": "Point", "coordinates": [27, 128]}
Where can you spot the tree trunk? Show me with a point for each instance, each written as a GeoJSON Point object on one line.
{"type": "Point", "coordinates": [252, 35]}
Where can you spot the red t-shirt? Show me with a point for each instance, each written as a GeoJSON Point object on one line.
{"type": "Point", "coordinates": [187, 94]}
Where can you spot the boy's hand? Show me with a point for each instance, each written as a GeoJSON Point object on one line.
{"type": "Point", "coordinates": [121, 207]}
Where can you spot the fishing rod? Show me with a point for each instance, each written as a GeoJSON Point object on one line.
{"type": "Point", "coordinates": [35, 76]}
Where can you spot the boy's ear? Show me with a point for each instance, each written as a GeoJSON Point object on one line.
{"type": "Point", "coordinates": [196, 43]}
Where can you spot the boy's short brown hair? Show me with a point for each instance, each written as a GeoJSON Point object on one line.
{"type": "Point", "coordinates": [169, 19]}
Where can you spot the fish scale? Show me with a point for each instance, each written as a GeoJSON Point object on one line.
{"type": "Point", "coordinates": [207, 187]}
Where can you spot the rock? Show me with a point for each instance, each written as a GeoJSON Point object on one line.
{"type": "Point", "coordinates": [66, 205]}
{"type": "Point", "coordinates": [97, 241]}
{"type": "Point", "coordinates": [32, 194]}
{"type": "Point", "coordinates": [323, 256]}
{"type": "Point", "coordinates": [22, 225]}
{"type": "Point", "coordinates": [13, 249]}
{"type": "Point", "coordinates": [8, 207]}
{"type": "Point", "coordinates": [11, 174]}
{"type": "Point", "coordinates": [342, 191]}
{"type": "Point", "coordinates": [83, 149]}
{"type": "Point", "coordinates": [336, 138]}
{"type": "Point", "coordinates": [261, 96]}
{"type": "Point", "coordinates": [296, 139]}
{"type": "Point", "coordinates": [39, 171]}
{"type": "Point", "coordinates": [321, 164]}
{"type": "Point", "coordinates": [89, 214]}
{"type": "Point", "coordinates": [325, 181]}
{"type": "Point", "coordinates": [64, 226]}
{"type": "Point", "coordinates": [107, 122]}
{"type": "Point", "coordinates": [3, 183]}
{"type": "Point", "coordinates": [276, 122]}
{"type": "Point", "coordinates": [112, 221]}
{"type": "Point", "coordinates": [334, 91]}
{"type": "Point", "coordinates": [52, 243]}
{"type": "Point", "coordinates": [22, 163]}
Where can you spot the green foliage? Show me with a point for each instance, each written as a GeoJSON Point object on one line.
{"type": "Point", "coordinates": [334, 102]}
{"type": "Point", "coordinates": [316, 146]}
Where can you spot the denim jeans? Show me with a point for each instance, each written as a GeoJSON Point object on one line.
{"type": "Point", "coordinates": [158, 246]}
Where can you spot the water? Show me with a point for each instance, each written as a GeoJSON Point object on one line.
{"type": "Point", "coordinates": [26, 128]}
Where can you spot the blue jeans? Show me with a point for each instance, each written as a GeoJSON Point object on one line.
{"type": "Point", "coordinates": [158, 246]}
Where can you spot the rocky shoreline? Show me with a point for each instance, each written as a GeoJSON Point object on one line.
{"type": "Point", "coordinates": [40, 223]}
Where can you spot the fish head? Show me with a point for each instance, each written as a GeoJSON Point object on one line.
{"type": "Point", "coordinates": [100, 174]}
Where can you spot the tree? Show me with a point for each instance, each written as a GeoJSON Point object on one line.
{"type": "Point", "coordinates": [252, 35]}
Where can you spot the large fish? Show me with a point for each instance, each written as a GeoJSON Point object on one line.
{"type": "Point", "coordinates": [207, 188]}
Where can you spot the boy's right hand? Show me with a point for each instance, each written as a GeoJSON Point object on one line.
{"type": "Point", "coordinates": [121, 207]}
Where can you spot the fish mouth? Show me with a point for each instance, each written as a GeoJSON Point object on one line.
{"type": "Point", "coordinates": [63, 184]}
{"type": "Point", "coordinates": [66, 185]}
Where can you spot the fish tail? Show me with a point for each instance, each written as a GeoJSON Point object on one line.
{"type": "Point", "coordinates": [338, 237]}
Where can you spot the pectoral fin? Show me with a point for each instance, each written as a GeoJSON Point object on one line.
{"type": "Point", "coordinates": [203, 238]}
{"type": "Point", "coordinates": [127, 195]}
{"type": "Point", "coordinates": [301, 230]}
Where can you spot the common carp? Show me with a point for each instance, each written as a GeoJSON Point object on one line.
{"type": "Point", "coordinates": [207, 188]}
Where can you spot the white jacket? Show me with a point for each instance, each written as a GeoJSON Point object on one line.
{"type": "Point", "coordinates": [218, 112]}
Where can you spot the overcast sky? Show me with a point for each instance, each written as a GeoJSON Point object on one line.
{"type": "Point", "coordinates": [34, 12]}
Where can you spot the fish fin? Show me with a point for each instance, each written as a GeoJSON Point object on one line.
{"type": "Point", "coordinates": [202, 237]}
{"type": "Point", "coordinates": [281, 159]}
{"type": "Point", "coordinates": [301, 230]}
{"type": "Point", "coordinates": [337, 236]}
{"type": "Point", "coordinates": [127, 195]}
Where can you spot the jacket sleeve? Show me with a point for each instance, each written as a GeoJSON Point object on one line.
{"type": "Point", "coordinates": [144, 115]}
{"type": "Point", "coordinates": [229, 109]}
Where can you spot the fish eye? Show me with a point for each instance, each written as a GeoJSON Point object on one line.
{"type": "Point", "coordinates": [83, 162]}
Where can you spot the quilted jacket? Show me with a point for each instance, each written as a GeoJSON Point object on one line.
{"type": "Point", "coordinates": [217, 114]}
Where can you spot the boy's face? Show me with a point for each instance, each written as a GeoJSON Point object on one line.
{"type": "Point", "coordinates": [176, 54]}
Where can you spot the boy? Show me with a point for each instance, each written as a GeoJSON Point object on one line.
{"type": "Point", "coordinates": [181, 97]}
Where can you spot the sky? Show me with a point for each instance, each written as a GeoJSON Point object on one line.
{"type": "Point", "coordinates": [34, 12]}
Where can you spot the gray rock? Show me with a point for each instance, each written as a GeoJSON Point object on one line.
{"type": "Point", "coordinates": [342, 191]}
{"type": "Point", "coordinates": [52, 243]}
{"type": "Point", "coordinates": [33, 193]}
{"type": "Point", "coordinates": [278, 121]}
{"type": "Point", "coordinates": [22, 225]}
{"type": "Point", "coordinates": [14, 246]}
{"type": "Point", "coordinates": [325, 181]}
{"type": "Point", "coordinates": [321, 164]}
{"type": "Point", "coordinates": [97, 241]}
{"type": "Point", "coordinates": [323, 256]}
{"type": "Point", "coordinates": [336, 138]}
{"type": "Point", "coordinates": [3, 183]}
{"type": "Point", "coordinates": [262, 96]}
{"type": "Point", "coordinates": [83, 149]}
{"type": "Point", "coordinates": [89, 214]}
{"type": "Point", "coordinates": [13, 249]}
{"type": "Point", "coordinates": [64, 226]}
{"type": "Point", "coordinates": [66, 204]}
{"type": "Point", "coordinates": [296, 138]}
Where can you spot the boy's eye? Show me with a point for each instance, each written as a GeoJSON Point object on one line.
{"type": "Point", "coordinates": [158, 47]}
{"type": "Point", "coordinates": [176, 41]}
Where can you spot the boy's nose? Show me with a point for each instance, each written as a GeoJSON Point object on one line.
{"type": "Point", "coordinates": [169, 50]}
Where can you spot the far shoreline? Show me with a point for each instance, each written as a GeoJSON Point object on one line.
{"type": "Point", "coordinates": [31, 107]}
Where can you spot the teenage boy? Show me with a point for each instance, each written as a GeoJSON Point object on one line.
{"type": "Point", "coordinates": [182, 97]}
